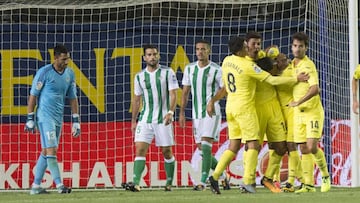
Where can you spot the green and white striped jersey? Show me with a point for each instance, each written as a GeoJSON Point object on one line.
{"type": "Point", "coordinates": [204, 82]}
{"type": "Point", "coordinates": [154, 88]}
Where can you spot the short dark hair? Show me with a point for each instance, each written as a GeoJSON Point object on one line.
{"type": "Point", "coordinates": [203, 41]}
{"type": "Point", "coordinates": [301, 36]}
{"type": "Point", "coordinates": [265, 63]}
{"type": "Point", "coordinates": [60, 49]}
{"type": "Point", "coordinates": [251, 35]}
{"type": "Point", "coordinates": [236, 44]}
{"type": "Point", "coordinates": [149, 46]}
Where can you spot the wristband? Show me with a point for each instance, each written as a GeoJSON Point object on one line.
{"type": "Point", "coordinates": [171, 112]}
{"type": "Point", "coordinates": [75, 118]}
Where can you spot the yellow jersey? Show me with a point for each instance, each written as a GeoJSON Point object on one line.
{"type": "Point", "coordinates": [285, 91]}
{"type": "Point", "coordinates": [239, 76]}
{"type": "Point", "coordinates": [301, 88]}
{"type": "Point", "coordinates": [357, 72]}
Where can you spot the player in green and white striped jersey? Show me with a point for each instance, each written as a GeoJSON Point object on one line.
{"type": "Point", "coordinates": [156, 86]}
{"type": "Point", "coordinates": [203, 79]}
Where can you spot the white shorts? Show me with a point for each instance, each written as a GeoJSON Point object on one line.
{"type": "Point", "coordinates": [164, 134]}
{"type": "Point", "coordinates": [207, 127]}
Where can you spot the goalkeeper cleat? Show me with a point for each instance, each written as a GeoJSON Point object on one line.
{"type": "Point", "coordinates": [288, 188]}
{"type": "Point", "coordinates": [326, 184]}
{"type": "Point", "coordinates": [199, 187]}
{"type": "Point", "coordinates": [38, 191]}
{"type": "Point", "coordinates": [226, 182]}
{"type": "Point", "coordinates": [268, 183]}
{"type": "Point", "coordinates": [63, 190]}
{"type": "Point", "coordinates": [305, 188]}
{"type": "Point", "coordinates": [248, 188]}
{"type": "Point", "coordinates": [214, 186]}
{"type": "Point", "coordinates": [167, 188]}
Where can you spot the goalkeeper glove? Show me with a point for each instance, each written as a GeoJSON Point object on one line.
{"type": "Point", "coordinates": [75, 130]}
{"type": "Point", "coordinates": [30, 123]}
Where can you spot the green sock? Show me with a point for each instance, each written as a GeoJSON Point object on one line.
{"type": "Point", "coordinates": [214, 162]}
{"type": "Point", "coordinates": [139, 166]}
{"type": "Point", "coordinates": [169, 168]}
{"type": "Point", "coordinates": [206, 161]}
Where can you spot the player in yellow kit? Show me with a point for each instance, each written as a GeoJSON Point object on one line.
{"type": "Point", "coordinates": [240, 75]}
{"type": "Point", "coordinates": [355, 89]}
{"type": "Point", "coordinates": [308, 116]}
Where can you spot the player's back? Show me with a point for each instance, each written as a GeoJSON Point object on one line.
{"type": "Point", "coordinates": [265, 92]}
{"type": "Point", "coordinates": [239, 76]}
{"type": "Point", "coordinates": [285, 91]}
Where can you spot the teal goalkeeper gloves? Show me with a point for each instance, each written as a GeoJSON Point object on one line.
{"type": "Point", "coordinates": [75, 130]}
{"type": "Point", "coordinates": [30, 123]}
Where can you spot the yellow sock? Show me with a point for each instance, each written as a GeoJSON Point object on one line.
{"type": "Point", "coordinates": [320, 161]}
{"type": "Point", "coordinates": [277, 174]}
{"type": "Point", "coordinates": [273, 164]}
{"type": "Point", "coordinates": [307, 162]}
{"type": "Point", "coordinates": [293, 167]}
{"type": "Point", "coordinates": [224, 161]}
{"type": "Point", "coordinates": [250, 160]}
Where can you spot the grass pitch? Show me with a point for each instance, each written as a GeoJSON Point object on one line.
{"type": "Point", "coordinates": [336, 195]}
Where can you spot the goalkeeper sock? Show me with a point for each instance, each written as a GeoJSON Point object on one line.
{"type": "Point", "coordinates": [206, 160]}
{"type": "Point", "coordinates": [41, 166]}
{"type": "Point", "coordinates": [294, 167]}
{"type": "Point", "coordinates": [169, 168]}
{"type": "Point", "coordinates": [224, 161]}
{"type": "Point", "coordinates": [307, 163]}
{"type": "Point", "coordinates": [273, 164]}
{"type": "Point", "coordinates": [214, 162]}
{"type": "Point", "coordinates": [54, 168]}
{"type": "Point", "coordinates": [139, 165]}
{"type": "Point", "coordinates": [250, 166]}
{"type": "Point", "coordinates": [320, 161]}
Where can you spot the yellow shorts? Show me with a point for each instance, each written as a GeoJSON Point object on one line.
{"type": "Point", "coordinates": [308, 124]}
{"type": "Point", "coordinates": [271, 121]}
{"type": "Point", "coordinates": [243, 126]}
{"type": "Point", "coordinates": [288, 113]}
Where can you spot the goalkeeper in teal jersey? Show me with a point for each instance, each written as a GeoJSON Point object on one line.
{"type": "Point", "coordinates": [156, 86]}
{"type": "Point", "coordinates": [51, 85]}
{"type": "Point", "coordinates": [203, 79]}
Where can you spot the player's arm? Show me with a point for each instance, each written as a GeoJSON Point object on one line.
{"type": "Point", "coordinates": [210, 108]}
{"type": "Point", "coordinates": [280, 80]}
{"type": "Point", "coordinates": [184, 100]}
{"type": "Point", "coordinates": [30, 120]}
{"type": "Point", "coordinates": [74, 105]}
{"type": "Point", "coordinates": [354, 84]}
{"type": "Point", "coordinates": [135, 111]}
{"type": "Point", "coordinates": [312, 91]}
{"type": "Point", "coordinates": [170, 114]}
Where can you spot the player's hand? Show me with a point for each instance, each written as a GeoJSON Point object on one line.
{"type": "Point", "coordinates": [303, 77]}
{"type": "Point", "coordinates": [356, 107]}
{"type": "Point", "coordinates": [168, 117]}
{"type": "Point", "coordinates": [75, 130]}
{"type": "Point", "coordinates": [30, 123]}
{"type": "Point", "coordinates": [293, 104]}
{"type": "Point", "coordinates": [182, 120]}
{"type": "Point", "coordinates": [210, 108]}
{"type": "Point", "coordinates": [133, 126]}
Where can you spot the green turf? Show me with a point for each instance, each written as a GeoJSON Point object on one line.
{"type": "Point", "coordinates": [336, 195]}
